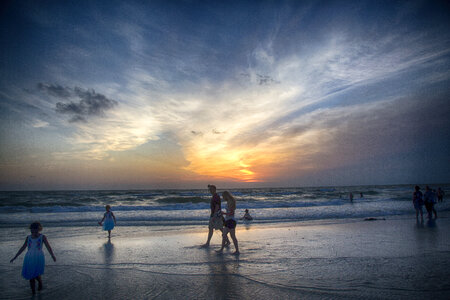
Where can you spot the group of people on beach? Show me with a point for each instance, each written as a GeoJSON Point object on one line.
{"type": "Point", "coordinates": [429, 199]}
{"type": "Point", "coordinates": [34, 261]}
{"type": "Point", "coordinates": [225, 221]}
{"type": "Point", "coordinates": [222, 220]}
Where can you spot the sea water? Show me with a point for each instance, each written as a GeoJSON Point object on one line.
{"type": "Point", "coordinates": [191, 207]}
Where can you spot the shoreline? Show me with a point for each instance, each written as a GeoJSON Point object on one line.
{"type": "Point", "coordinates": [358, 259]}
{"type": "Point", "coordinates": [158, 229]}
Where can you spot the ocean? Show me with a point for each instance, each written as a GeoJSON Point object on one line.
{"type": "Point", "coordinates": [191, 207]}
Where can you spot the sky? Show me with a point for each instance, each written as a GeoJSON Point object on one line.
{"type": "Point", "coordinates": [179, 94]}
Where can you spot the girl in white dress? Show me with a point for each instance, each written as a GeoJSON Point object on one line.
{"type": "Point", "coordinates": [110, 220]}
{"type": "Point", "coordinates": [34, 261]}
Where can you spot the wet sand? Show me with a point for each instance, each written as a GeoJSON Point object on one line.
{"type": "Point", "coordinates": [394, 258]}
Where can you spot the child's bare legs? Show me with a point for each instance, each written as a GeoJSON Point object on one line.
{"type": "Point", "coordinates": [109, 233]}
{"type": "Point", "coordinates": [39, 280]}
{"type": "Point", "coordinates": [227, 241]}
{"type": "Point", "coordinates": [224, 239]}
{"type": "Point", "coordinates": [235, 242]}
{"type": "Point", "coordinates": [33, 285]}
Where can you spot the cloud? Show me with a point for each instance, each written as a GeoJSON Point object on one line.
{"type": "Point", "coordinates": [39, 124]}
{"type": "Point", "coordinates": [258, 78]}
{"type": "Point", "coordinates": [265, 79]}
{"type": "Point", "coordinates": [55, 90]}
{"type": "Point", "coordinates": [197, 133]}
{"type": "Point", "coordinates": [215, 131]}
{"type": "Point", "coordinates": [90, 103]}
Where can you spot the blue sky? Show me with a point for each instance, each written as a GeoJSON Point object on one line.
{"type": "Point", "coordinates": [167, 94]}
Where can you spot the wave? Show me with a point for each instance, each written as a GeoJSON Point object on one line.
{"type": "Point", "coordinates": [200, 205]}
{"type": "Point", "coordinates": [194, 199]}
{"type": "Point", "coordinates": [260, 217]}
{"type": "Point", "coordinates": [174, 204]}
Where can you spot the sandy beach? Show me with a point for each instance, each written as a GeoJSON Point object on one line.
{"type": "Point", "coordinates": [394, 258]}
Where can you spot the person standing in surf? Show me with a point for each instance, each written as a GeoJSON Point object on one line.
{"type": "Point", "coordinates": [34, 261]}
{"type": "Point", "coordinates": [215, 218]}
{"type": "Point", "coordinates": [418, 202]}
{"type": "Point", "coordinates": [429, 198]}
{"type": "Point", "coordinates": [110, 220]}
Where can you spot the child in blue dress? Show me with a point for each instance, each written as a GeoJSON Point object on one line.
{"type": "Point", "coordinates": [34, 261]}
{"type": "Point", "coordinates": [110, 220]}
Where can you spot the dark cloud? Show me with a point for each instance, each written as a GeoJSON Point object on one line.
{"type": "Point", "coordinates": [78, 119]}
{"type": "Point", "coordinates": [265, 80]}
{"type": "Point", "coordinates": [55, 90]}
{"type": "Point", "coordinates": [260, 79]}
{"type": "Point", "coordinates": [89, 103]}
{"type": "Point", "coordinates": [197, 133]}
{"type": "Point", "coordinates": [214, 131]}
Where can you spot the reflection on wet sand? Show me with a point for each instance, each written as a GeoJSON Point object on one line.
{"type": "Point", "coordinates": [224, 276]}
{"type": "Point", "coordinates": [108, 253]}
{"type": "Point", "coordinates": [108, 270]}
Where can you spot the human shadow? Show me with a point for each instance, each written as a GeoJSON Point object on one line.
{"type": "Point", "coordinates": [108, 253]}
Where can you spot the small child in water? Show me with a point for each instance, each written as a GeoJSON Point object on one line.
{"type": "Point", "coordinates": [34, 261]}
{"type": "Point", "coordinates": [110, 220]}
{"type": "Point", "coordinates": [247, 216]}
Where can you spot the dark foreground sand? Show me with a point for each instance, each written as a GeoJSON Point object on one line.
{"type": "Point", "coordinates": [383, 259]}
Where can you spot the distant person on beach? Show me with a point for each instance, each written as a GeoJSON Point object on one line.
{"type": "Point", "coordinates": [429, 200]}
{"type": "Point", "coordinates": [34, 261]}
{"type": "Point", "coordinates": [110, 220]}
{"type": "Point", "coordinates": [418, 202]}
{"type": "Point", "coordinates": [230, 221]}
{"type": "Point", "coordinates": [361, 195]}
{"type": "Point", "coordinates": [247, 216]}
{"type": "Point", "coordinates": [215, 218]}
{"type": "Point", "coordinates": [351, 197]}
{"type": "Point", "coordinates": [440, 195]}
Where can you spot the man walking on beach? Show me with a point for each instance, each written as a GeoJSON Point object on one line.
{"type": "Point", "coordinates": [215, 207]}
